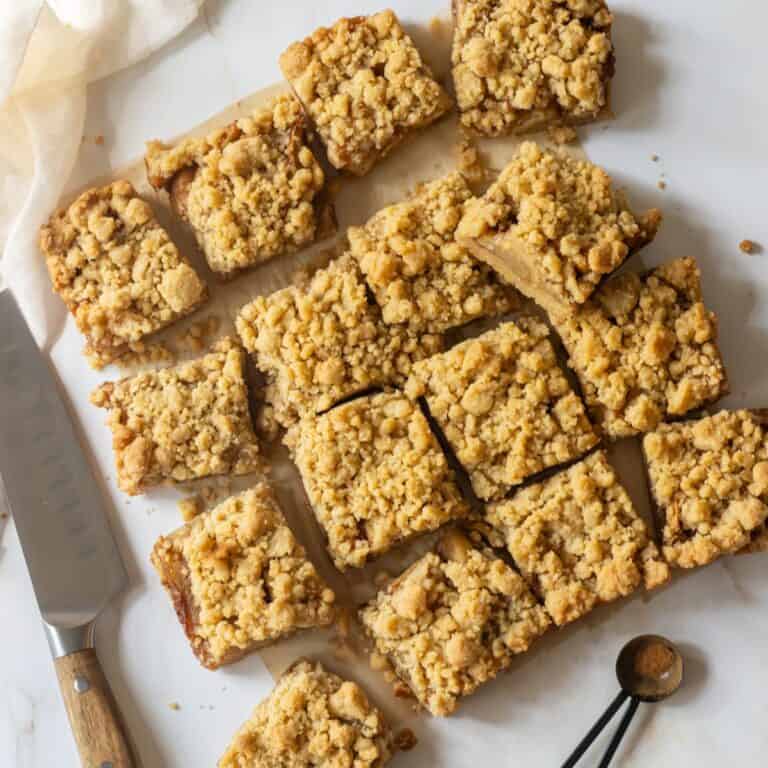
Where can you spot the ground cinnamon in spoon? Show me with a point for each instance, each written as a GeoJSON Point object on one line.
{"type": "Point", "coordinates": [654, 661]}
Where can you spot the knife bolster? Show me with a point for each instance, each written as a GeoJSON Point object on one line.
{"type": "Point", "coordinates": [63, 641]}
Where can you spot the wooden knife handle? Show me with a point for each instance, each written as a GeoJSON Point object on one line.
{"type": "Point", "coordinates": [93, 714]}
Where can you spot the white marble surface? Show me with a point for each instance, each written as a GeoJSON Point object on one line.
{"type": "Point", "coordinates": [691, 88]}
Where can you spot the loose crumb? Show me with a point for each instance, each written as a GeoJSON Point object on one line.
{"type": "Point", "coordinates": [196, 337]}
{"type": "Point", "coordinates": [406, 740]}
{"type": "Point", "coordinates": [655, 158]}
{"type": "Point", "coordinates": [190, 507]}
{"type": "Point", "coordinates": [469, 161]}
{"type": "Point", "coordinates": [562, 134]}
{"type": "Point", "coordinates": [661, 184]}
{"type": "Point", "coordinates": [140, 354]}
{"type": "Point", "coordinates": [175, 706]}
{"type": "Point", "coordinates": [99, 140]}
{"type": "Point", "coordinates": [747, 246]}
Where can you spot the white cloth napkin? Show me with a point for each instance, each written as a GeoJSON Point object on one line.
{"type": "Point", "coordinates": [49, 52]}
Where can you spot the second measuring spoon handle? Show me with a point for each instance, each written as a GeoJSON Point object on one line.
{"type": "Point", "coordinates": [620, 731]}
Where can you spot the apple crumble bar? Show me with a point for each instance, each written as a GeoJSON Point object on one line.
{"type": "Point", "coordinates": [554, 227]}
{"type": "Point", "coordinates": [709, 480]}
{"type": "Point", "coordinates": [645, 348]}
{"type": "Point", "coordinates": [250, 191]}
{"type": "Point", "coordinates": [504, 406]}
{"type": "Point", "coordinates": [451, 622]}
{"type": "Point", "coordinates": [117, 270]}
{"type": "Point", "coordinates": [239, 580]}
{"type": "Point", "coordinates": [323, 342]}
{"type": "Point", "coordinates": [312, 718]}
{"type": "Point", "coordinates": [181, 423]}
{"type": "Point", "coordinates": [523, 66]}
{"type": "Point", "coordinates": [364, 86]}
{"type": "Point", "coordinates": [375, 476]}
{"type": "Point", "coordinates": [418, 272]}
{"type": "Point", "coordinates": [578, 539]}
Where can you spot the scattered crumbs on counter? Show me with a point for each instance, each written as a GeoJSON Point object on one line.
{"type": "Point", "coordinates": [190, 507]}
{"type": "Point", "coordinates": [748, 246]}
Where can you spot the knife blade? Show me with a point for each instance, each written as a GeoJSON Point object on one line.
{"type": "Point", "coordinates": [62, 525]}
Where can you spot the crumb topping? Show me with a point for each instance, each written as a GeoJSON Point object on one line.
{"type": "Point", "coordinates": [709, 479]}
{"type": "Point", "coordinates": [312, 718]}
{"type": "Point", "coordinates": [418, 272]}
{"type": "Point", "coordinates": [181, 423]}
{"type": "Point", "coordinates": [644, 348]}
{"type": "Point", "coordinates": [243, 576]}
{"type": "Point", "coordinates": [557, 222]}
{"type": "Point", "coordinates": [364, 85]}
{"type": "Point", "coordinates": [452, 621]}
{"type": "Point", "coordinates": [117, 270]}
{"type": "Point", "coordinates": [324, 341]}
{"type": "Point", "coordinates": [250, 191]}
{"type": "Point", "coordinates": [578, 539]}
{"type": "Point", "coordinates": [375, 476]}
{"type": "Point", "coordinates": [520, 63]}
{"type": "Point", "coordinates": [504, 406]}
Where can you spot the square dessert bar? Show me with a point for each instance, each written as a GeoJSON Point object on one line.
{"type": "Point", "coordinates": [250, 191]}
{"type": "Point", "coordinates": [554, 227]}
{"type": "Point", "coordinates": [418, 272]}
{"type": "Point", "coordinates": [578, 540]}
{"type": "Point", "coordinates": [645, 348]}
{"type": "Point", "coordinates": [523, 66]}
{"type": "Point", "coordinates": [451, 622]}
{"type": "Point", "coordinates": [181, 423]}
{"type": "Point", "coordinates": [239, 580]}
{"type": "Point", "coordinates": [323, 341]}
{"type": "Point", "coordinates": [375, 476]}
{"type": "Point", "coordinates": [504, 406]}
{"type": "Point", "coordinates": [117, 270]}
{"type": "Point", "coordinates": [364, 86]}
{"type": "Point", "coordinates": [312, 718]}
{"type": "Point", "coordinates": [709, 481]}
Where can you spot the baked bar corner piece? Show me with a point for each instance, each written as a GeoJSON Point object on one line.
{"type": "Point", "coordinates": [312, 718]}
{"type": "Point", "coordinates": [375, 476]}
{"type": "Point", "coordinates": [554, 226]}
{"type": "Point", "coordinates": [451, 622]}
{"type": "Point", "coordinates": [504, 406]}
{"type": "Point", "coordinates": [239, 580]}
{"type": "Point", "coordinates": [418, 272]}
{"type": "Point", "coordinates": [578, 539]}
{"type": "Point", "coordinates": [644, 348]}
{"type": "Point", "coordinates": [181, 423]}
{"type": "Point", "coordinates": [364, 86]}
{"type": "Point", "coordinates": [323, 342]}
{"type": "Point", "coordinates": [709, 481]}
{"type": "Point", "coordinates": [116, 269]}
{"type": "Point", "coordinates": [525, 66]}
{"type": "Point", "coordinates": [250, 191]}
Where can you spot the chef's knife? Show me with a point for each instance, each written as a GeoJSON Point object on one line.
{"type": "Point", "coordinates": [60, 518]}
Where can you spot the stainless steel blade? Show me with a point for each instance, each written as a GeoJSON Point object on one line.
{"type": "Point", "coordinates": [56, 505]}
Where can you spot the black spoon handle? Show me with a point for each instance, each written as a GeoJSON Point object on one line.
{"type": "Point", "coordinates": [596, 729]}
{"type": "Point", "coordinates": [620, 731]}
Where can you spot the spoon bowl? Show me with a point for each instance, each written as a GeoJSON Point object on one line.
{"type": "Point", "coordinates": [649, 668]}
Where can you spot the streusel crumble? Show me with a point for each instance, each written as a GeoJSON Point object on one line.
{"type": "Point", "coordinates": [365, 87]}
{"type": "Point", "coordinates": [452, 621]}
{"type": "Point", "coordinates": [709, 480]}
{"type": "Point", "coordinates": [504, 405]}
{"type": "Point", "coordinates": [645, 348]}
{"type": "Point", "coordinates": [375, 476]}
{"type": "Point", "coordinates": [554, 227]}
{"type": "Point", "coordinates": [418, 272]}
{"type": "Point", "coordinates": [578, 539]}
{"type": "Point", "coordinates": [117, 270]}
{"type": "Point", "coordinates": [181, 423]}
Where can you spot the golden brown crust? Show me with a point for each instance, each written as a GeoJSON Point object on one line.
{"type": "Point", "coordinates": [250, 191]}
{"type": "Point", "coordinates": [418, 272]}
{"type": "Point", "coordinates": [181, 423]}
{"type": "Point", "coordinates": [117, 270]}
{"type": "Point", "coordinates": [645, 348]}
{"type": "Point", "coordinates": [578, 539]}
{"type": "Point", "coordinates": [452, 621]}
{"type": "Point", "coordinates": [364, 86]}
{"type": "Point", "coordinates": [375, 476]}
{"type": "Point", "coordinates": [554, 227]}
{"type": "Point", "coordinates": [709, 480]}
{"type": "Point", "coordinates": [504, 405]}
{"type": "Point", "coordinates": [312, 718]}
{"type": "Point", "coordinates": [522, 65]}
{"type": "Point", "coordinates": [239, 580]}
{"type": "Point", "coordinates": [323, 342]}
